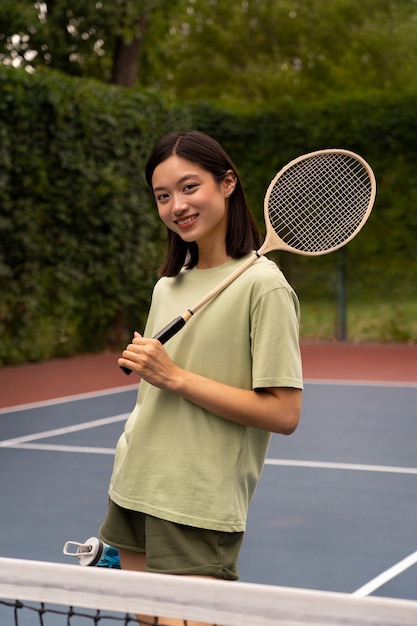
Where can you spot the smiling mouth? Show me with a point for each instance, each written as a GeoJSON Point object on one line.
{"type": "Point", "coordinates": [186, 221]}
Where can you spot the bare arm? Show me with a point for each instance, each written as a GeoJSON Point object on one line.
{"type": "Point", "coordinates": [276, 409]}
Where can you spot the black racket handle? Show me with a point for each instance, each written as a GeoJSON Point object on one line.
{"type": "Point", "coordinates": [166, 333]}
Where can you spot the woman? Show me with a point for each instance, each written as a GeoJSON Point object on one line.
{"type": "Point", "coordinates": [193, 448]}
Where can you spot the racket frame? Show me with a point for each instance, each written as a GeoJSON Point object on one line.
{"type": "Point", "coordinates": [273, 242]}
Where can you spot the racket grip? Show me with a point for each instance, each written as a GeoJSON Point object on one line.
{"type": "Point", "coordinates": [163, 336]}
{"type": "Point", "coordinates": [170, 330]}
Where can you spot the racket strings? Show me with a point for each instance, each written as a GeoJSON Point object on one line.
{"type": "Point", "coordinates": [320, 202]}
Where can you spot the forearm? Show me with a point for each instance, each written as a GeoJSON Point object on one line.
{"type": "Point", "coordinates": [276, 409]}
{"type": "Point", "coordinates": [273, 409]}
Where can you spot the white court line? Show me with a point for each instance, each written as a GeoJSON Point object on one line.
{"type": "Point", "coordinates": [63, 399]}
{"type": "Point", "coordinates": [63, 431]}
{"type": "Point", "coordinates": [360, 383]}
{"type": "Point", "coordinates": [391, 469]}
{"type": "Point", "coordinates": [22, 443]}
{"type": "Point", "coordinates": [58, 448]}
{"type": "Point", "coordinates": [386, 576]}
{"type": "Point", "coordinates": [107, 392]}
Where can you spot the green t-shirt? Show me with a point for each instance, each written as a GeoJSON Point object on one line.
{"type": "Point", "coordinates": [177, 461]}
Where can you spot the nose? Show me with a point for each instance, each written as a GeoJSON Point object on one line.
{"type": "Point", "coordinates": [179, 204]}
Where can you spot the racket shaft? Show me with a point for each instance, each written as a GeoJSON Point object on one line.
{"type": "Point", "coordinates": [226, 282]}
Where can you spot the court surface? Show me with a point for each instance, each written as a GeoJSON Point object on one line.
{"type": "Point", "coordinates": [336, 507]}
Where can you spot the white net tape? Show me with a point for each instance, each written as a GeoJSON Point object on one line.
{"type": "Point", "coordinates": [210, 601]}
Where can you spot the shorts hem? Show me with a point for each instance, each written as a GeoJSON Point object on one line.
{"type": "Point", "coordinates": [120, 546]}
{"type": "Point", "coordinates": [211, 571]}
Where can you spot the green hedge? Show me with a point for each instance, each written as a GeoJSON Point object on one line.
{"type": "Point", "coordinates": [79, 239]}
{"type": "Point", "coordinates": [79, 235]}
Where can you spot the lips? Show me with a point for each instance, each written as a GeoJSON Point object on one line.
{"type": "Point", "coordinates": [186, 222]}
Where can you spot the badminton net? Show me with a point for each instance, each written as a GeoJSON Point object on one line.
{"type": "Point", "coordinates": [53, 594]}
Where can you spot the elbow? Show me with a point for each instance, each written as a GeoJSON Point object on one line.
{"type": "Point", "coordinates": [290, 413]}
{"type": "Point", "coordinates": [284, 411]}
{"type": "Point", "coordinates": [285, 424]}
{"type": "Point", "coordinates": [289, 424]}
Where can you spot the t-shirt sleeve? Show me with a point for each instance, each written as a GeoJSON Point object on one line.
{"type": "Point", "coordinates": [275, 340]}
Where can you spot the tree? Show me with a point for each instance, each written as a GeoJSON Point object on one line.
{"type": "Point", "coordinates": [101, 39]}
{"type": "Point", "coordinates": [264, 51]}
{"type": "Point", "coordinates": [242, 52]}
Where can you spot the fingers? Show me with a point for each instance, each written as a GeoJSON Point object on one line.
{"type": "Point", "coordinates": [141, 350]}
{"type": "Point", "coordinates": [148, 358]}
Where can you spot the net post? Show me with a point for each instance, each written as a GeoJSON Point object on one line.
{"type": "Point", "coordinates": [341, 295]}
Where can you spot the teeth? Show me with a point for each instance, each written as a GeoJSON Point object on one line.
{"type": "Point", "coordinates": [186, 221]}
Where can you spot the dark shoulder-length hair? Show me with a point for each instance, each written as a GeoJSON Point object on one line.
{"type": "Point", "coordinates": [242, 234]}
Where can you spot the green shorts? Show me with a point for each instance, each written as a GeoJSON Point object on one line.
{"type": "Point", "coordinates": [173, 548]}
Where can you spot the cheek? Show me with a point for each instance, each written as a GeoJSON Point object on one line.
{"type": "Point", "coordinates": [163, 213]}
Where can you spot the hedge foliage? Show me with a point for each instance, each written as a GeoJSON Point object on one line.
{"type": "Point", "coordinates": [79, 235]}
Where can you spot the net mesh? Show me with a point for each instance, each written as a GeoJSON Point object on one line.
{"type": "Point", "coordinates": [51, 594]}
{"type": "Point", "coordinates": [320, 202]}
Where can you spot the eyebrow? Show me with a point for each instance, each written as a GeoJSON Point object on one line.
{"type": "Point", "coordinates": [179, 182]}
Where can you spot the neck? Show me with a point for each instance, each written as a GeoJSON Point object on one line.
{"type": "Point", "coordinates": [211, 257]}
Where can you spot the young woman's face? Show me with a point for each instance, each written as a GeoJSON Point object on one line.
{"type": "Point", "coordinates": [190, 201]}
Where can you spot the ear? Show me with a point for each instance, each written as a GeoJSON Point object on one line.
{"type": "Point", "coordinates": [229, 183]}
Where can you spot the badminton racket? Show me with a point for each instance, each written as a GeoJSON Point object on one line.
{"type": "Point", "coordinates": [315, 204]}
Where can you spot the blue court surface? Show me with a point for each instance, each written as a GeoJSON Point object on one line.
{"type": "Point", "coordinates": [336, 507]}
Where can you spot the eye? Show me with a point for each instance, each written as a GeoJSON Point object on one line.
{"type": "Point", "coordinates": [190, 187]}
{"type": "Point", "coordinates": [161, 197]}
